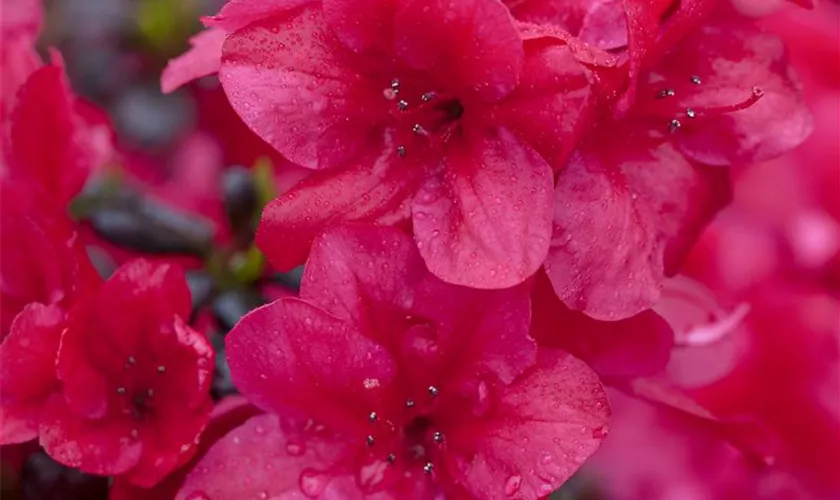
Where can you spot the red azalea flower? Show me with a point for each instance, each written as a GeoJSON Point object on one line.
{"type": "Point", "coordinates": [636, 194]}
{"type": "Point", "coordinates": [384, 379]}
{"type": "Point", "coordinates": [459, 133]}
{"type": "Point", "coordinates": [47, 112]}
{"type": "Point", "coordinates": [135, 378]}
{"type": "Point", "coordinates": [43, 259]}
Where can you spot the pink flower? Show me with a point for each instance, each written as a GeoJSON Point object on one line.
{"type": "Point", "coordinates": [457, 134]}
{"type": "Point", "coordinates": [383, 379]}
{"type": "Point", "coordinates": [638, 191]}
{"type": "Point", "coordinates": [134, 378]}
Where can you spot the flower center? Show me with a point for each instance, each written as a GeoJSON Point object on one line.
{"type": "Point", "coordinates": [423, 117]}
{"type": "Point", "coordinates": [665, 102]}
{"type": "Point", "coordinates": [405, 442]}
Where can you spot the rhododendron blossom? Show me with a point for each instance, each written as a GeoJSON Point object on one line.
{"type": "Point", "coordinates": [134, 378]}
{"type": "Point", "coordinates": [384, 379]}
{"type": "Point", "coordinates": [458, 133]}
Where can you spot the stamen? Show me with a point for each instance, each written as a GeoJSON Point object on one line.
{"type": "Point", "coordinates": [429, 468]}
{"type": "Point", "coordinates": [674, 125]}
{"type": "Point", "coordinates": [696, 80]}
{"type": "Point", "coordinates": [428, 96]}
{"type": "Point", "coordinates": [433, 391]}
{"type": "Point", "coordinates": [401, 151]}
{"type": "Point", "coordinates": [373, 417]}
{"type": "Point", "coordinates": [391, 458]}
{"type": "Point", "coordinates": [690, 113]}
{"type": "Point", "coordinates": [370, 440]}
{"type": "Point", "coordinates": [402, 105]}
{"type": "Point", "coordinates": [409, 403]}
{"type": "Point", "coordinates": [418, 129]}
{"type": "Point", "coordinates": [437, 437]}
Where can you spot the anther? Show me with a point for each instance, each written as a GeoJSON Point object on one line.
{"type": "Point", "coordinates": [373, 417]}
{"type": "Point", "coordinates": [395, 84]}
{"type": "Point", "coordinates": [429, 468]}
{"type": "Point", "coordinates": [437, 437]}
{"type": "Point", "coordinates": [674, 125]}
{"type": "Point", "coordinates": [120, 390]}
{"type": "Point", "coordinates": [391, 458]}
{"type": "Point", "coordinates": [667, 93]}
{"type": "Point", "coordinates": [696, 80]}
{"type": "Point", "coordinates": [409, 403]}
{"type": "Point", "coordinates": [690, 113]}
{"type": "Point", "coordinates": [401, 151]}
{"type": "Point", "coordinates": [402, 105]}
{"type": "Point", "coordinates": [161, 369]}
{"type": "Point", "coordinates": [418, 129]}
{"type": "Point", "coordinates": [428, 96]}
{"type": "Point", "coordinates": [433, 391]}
{"type": "Point", "coordinates": [370, 440]}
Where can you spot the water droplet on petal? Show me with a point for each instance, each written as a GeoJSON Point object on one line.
{"type": "Point", "coordinates": [312, 483]}
{"type": "Point", "coordinates": [295, 449]}
{"type": "Point", "coordinates": [513, 484]}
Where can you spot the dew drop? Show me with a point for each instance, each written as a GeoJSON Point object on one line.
{"type": "Point", "coordinates": [161, 369]}
{"type": "Point", "coordinates": [513, 484]}
{"type": "Point", "coordinates": [312, 483]}
{"type": "Point", "coordinates": [295, 449]}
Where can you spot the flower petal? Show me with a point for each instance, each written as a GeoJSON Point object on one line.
{"type": "Point", "coordinates": [237, 14]}
{"type": "Point", "coordinates": [485, 222]}
{"type": "Point", "coordinates": [732, 59]}
{"type": "Point", "coordinates": [28, 353]}
{"type": "Point", "coordinates": [94, 446]}
{"type": "Point", "coordinates": [549, 109]}
{"type": "Point", "coordinates": [373, 191]}
{"type": "Point", "coordinates": [633, 347]}
{"type": "Point", "coordinates": [271, 457]}
{"type": "Point", "coordinates": [203, 58]}
{"type": "Point", "coordinates": [362, 24]}
{"type": "Point", "coordinates": [476, 47]}
{"type": "Point", "coordinates": [376, 278]}
{"type": "Point", "coordinates": [47, 110]}
{"type": "Point", "coordinates": [556, 414]}
{"type": "Point", "coordinates": [322, 365]}
{"type": "Point", "coordinates": [625, 215]}
{"type": "Point", "coordinates": [301, 90]}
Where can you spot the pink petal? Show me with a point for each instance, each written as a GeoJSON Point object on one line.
{"type": "Point", "coordinates": [373, 191]}
{"type": "Point", "coordinates": [271, 457]}
{"type": "Point", "coordinates": [376, 278]}
{"type": "Point", "coordinates": [94, 446]}
{"type": "Point", "coordinates": [624, 218]}
{"type": "Point", "coordinates": [29, 352]}
{"type": "Point", "coordinates": [289, 354]}
{"type": "Point", "coordinates": [476, 47]}
{"type": "Point", "coordinates": [485, 221]}
{"type": "Point", "coordinates": [237, 14]}
{"type": "Point", "coordinates": [732, 59]}
{"type": "Point", "coordinates": [19, 423]}
{"type": "Point", "coordinates": [228, 414]}
{"type": "Point", "coordinates": [556, 414]}
{"type": "Point", "coordinates": [633, 347]}
{"type": "Point", "coordinates": [548, 109]}
{"type": "Point", "coordinates": [362, 24]}
{"type": "Point", "coordinates": [48, 110]}
{"type": "Point", "coordinates": [746, 435]}
{"type": "Point", "coordinates": [301, 90]}
{"type": "Point", "coordinates": [203, 58]}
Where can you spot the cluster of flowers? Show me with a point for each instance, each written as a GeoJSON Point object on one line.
{"type": "Point", "coordinates": [500, 191]}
